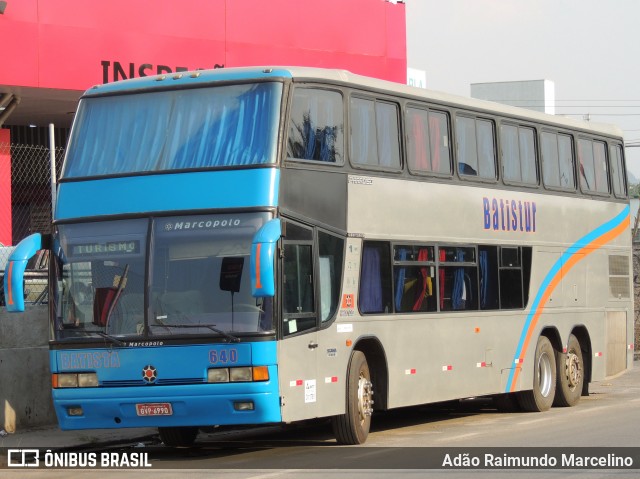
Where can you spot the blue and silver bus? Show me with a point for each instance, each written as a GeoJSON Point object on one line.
{"type": "Point", "coordinates": [269, 245]}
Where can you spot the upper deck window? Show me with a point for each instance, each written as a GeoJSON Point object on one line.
{"type": "Point", "coordinates": [233, 125]}
{"type": "Point", "coordinates": [557, 161]}
{"type": "Point", "coordinates": [375, 134]}
{"type": "Point", "coordinates": [476, 147]}
{"type": "Point", "coordinates": [428, 140]}
{"type": "Point", "coordinates": [316, 128]}
{"type": "Point", "coordinates": [593, 166]}
{"type": "Point", "coordinates": [617, 171]}
{"type": "Point", "coordinates": [518, 154]}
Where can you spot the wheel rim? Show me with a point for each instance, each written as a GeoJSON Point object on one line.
{"type": "Point", "coordinates": [545, 376]}
{"type": "Point", "coordinates": [573, 370]}
{"type": "Point", "coordinates": [365, 391]}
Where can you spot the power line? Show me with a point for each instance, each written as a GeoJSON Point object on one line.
{"type": "Point", "coordinates": [601, 114]}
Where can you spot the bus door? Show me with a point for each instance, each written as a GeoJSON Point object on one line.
{"type": "Point", "coordinates": [297, 355]}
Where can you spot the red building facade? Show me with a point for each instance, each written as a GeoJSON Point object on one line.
{"type": "Point", "coordinates": [53, 50]}
{"type": "Point", "coordinates": [74, 44]}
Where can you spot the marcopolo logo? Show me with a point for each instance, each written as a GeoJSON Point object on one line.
{"type": "Point", "coordinates": [202, 224]}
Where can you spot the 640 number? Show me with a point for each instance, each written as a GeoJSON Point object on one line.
{"type": "Point", "coordinates": [223, 356]}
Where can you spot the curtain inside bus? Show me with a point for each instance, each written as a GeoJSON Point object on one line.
{"type": "Point", "coordinates": [371, 287]}
{"type": "Point", "coordinates": [459, 292]}
{"type": "Point", "coordinates": [233, 125]}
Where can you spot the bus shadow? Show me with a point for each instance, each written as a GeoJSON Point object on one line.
{"type": "Point", "coordinates": [233, 448]}
{"type": "Point", "coordinates": [431, 413]}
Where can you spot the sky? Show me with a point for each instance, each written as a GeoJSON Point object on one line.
{"type": "Point", "coordinates": [590, 49]}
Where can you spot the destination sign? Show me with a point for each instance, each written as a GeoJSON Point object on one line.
{"type": "Point", "coordinates": [107, 248]}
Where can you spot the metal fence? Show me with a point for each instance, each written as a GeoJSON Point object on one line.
{"type": "Point", "coordinates": [25, 193]}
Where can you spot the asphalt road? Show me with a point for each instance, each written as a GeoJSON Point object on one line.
{"type": "Point", "coordinates": [410, 441]}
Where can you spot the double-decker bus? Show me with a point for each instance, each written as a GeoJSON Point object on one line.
{"type": "Point", "coordinates": [269, 245]}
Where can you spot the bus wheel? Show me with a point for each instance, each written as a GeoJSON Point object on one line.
{"type": "Point", "coordinates": [353, 426]}
{"type": "Point", "coordinates": [178, 436]}
{"type": "Point", "coordinates": [570, 374]}
{"type": "Point", "coordinates": [544, 379]}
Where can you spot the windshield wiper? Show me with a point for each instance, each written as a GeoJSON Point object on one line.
{"type": "Point", "coordinates": [212, 327]}
{"type": "Point", "coordinates": [115, 341]}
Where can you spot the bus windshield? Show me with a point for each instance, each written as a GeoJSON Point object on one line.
{"type": "Point", "coordinates": [193, 279]}
{"type": "Point", "coordinates": [214, 127]}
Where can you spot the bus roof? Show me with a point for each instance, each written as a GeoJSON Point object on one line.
{"type": "Point", "coordinates": [340, 77]}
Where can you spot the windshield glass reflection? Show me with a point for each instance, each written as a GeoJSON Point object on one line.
{"type": "Point", "coordinates": [195, 279]}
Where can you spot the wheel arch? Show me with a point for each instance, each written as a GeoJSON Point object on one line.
{"type": "Point", "coordinates": [376, 357]}
{"type": "Point", "coordinates": [584, 338]}
{"type": "Point", "coordinates": [553, 336]}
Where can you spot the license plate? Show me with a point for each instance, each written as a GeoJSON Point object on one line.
{"type": "Point", "coordinates": [154, 409]}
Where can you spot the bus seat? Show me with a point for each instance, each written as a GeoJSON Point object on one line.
{"type": "Point", "coordinates": [466, 169]}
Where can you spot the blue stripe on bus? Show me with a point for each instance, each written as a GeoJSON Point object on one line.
{"type": "Point", "coordinates": [168, 192]}
{"type": "Point", "coordinates": [551, 281]}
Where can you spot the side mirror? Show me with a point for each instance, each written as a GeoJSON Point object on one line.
{"type": "Point", "coordinates": [263, 249]}
{"type": "Point", "coordinates": [14, 272]}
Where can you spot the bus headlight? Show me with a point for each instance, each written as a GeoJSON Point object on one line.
{"type": "Point", "coordinates": [74, 380]}
{"type": "Point", "coordinates": [218, 375]}
{"type": "Point", "coordinates": [238, 375]}
{"type": "Point", "coordinates": [87, 380]}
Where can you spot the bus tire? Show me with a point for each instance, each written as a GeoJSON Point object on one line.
{"type": "Point", "coordinates": [178, 436]}
{"type": "Point", "coordinates": [541, 397]}
{"type": "Point", "coordinates": [570, 374]}
{"type": "Point", "coordinates": [353, 426]}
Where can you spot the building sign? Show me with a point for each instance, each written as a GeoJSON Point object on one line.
{"type": "Point", "coordinates": [75, 44]}
{"type": "Point", "coordinates": [416, 78]}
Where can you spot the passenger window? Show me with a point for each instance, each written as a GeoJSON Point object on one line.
{"type": "Point", "coordinates": [518, 154]}
{"type": "Point", "coordinates": [298, 298]}
{"type": "Point", "coordinates": [528, 165]}
{"type": "Point", "coordinates": [511, 284]}
{"type": "Point", "coordinates": [458, 278]}
{"type": "Point", "coordinates": [375, 278]}
{"type": "Point", "coordinates": [428, 278]}
{"type": "Point", "coordinates": [486, 149]}
{"type": "Point", "coordinates": [414, 278]}
{"type": "Point", "coordinates": [504, 276]}
{"type": "Point", "coordinates": [593, 167]}
{"type": "Point", "coordinates": [510, 153]}
{"type": "Point", "coordinates": [331, 254]}
{"type": "Point", "coordinates": [375, 133]}
{"type": "Point", "coordinates": [298, 279]}
{"type": "Point", "coordinates": [566, 162]}
{"type": "Point", "coordinates": [316, 127]}
{"type": "Point", "coordinates": [489, 277]}
{"type": "Point", "coordinates": [467, 153]}
{"type": "Point", "coordinates": [476, 147]}
{"type": "Point", "coordinates": [557, 161]}
{"type": "Point", "coordinates": [428, 141]}
{"type": "Point", "coordinates": [617, 171]}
